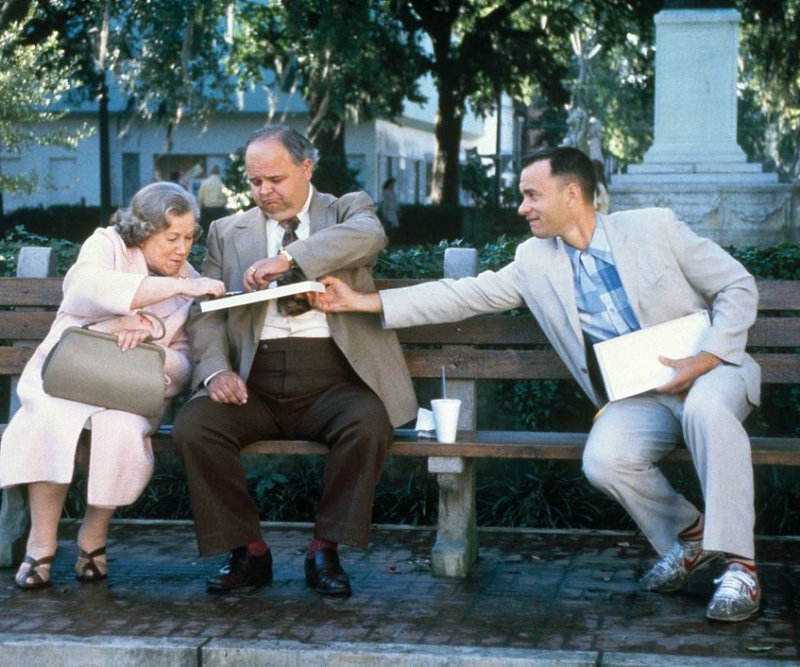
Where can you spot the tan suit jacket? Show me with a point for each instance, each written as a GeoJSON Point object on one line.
{"type": "Point", "coordinates": [345, 240]}
{"type": "Point", "coordinates": [667, 270]}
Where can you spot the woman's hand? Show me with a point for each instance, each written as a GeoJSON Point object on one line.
{"type": "Point", "coordinates": [200, 287]}
{"type": "Point", "coordinates": [158, 288]}
{"type": "Point", "coordinates": [127, 339]}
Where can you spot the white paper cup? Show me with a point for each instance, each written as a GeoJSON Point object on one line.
{"type": "Point", "coordinates": [445, 418]}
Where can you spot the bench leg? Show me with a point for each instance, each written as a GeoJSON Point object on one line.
{"type": "Point", "coordinates": [15, 522]}
{"type": "Point", "coordinates": [456, 547]}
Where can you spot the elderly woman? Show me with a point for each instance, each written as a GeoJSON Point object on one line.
{"type": "Point", "coordinates": [137, 263]}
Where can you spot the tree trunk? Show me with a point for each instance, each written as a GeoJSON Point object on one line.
{"type": "Point", "coordinates": [449, 121]}
{"type": "Point", "coordinates": [331, 173]}
{"type": "Point", "coordinates": [105, 154]}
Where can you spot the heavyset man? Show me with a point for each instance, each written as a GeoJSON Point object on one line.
{"type": "Point", "coordinates": [269, 372]}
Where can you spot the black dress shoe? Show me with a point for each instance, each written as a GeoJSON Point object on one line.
{"type": "Point", "coordinates": [242, 569]}
{"type": "Point", "coordinates": [325, 575]}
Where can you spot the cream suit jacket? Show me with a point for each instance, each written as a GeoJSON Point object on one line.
{"type": "Point", "coordinates": [345, 239]}
{"type": "Point", "coordinates": [667, 271]}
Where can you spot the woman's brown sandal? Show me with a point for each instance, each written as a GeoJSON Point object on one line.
{"type": "Point", "coordinates": [89, 569]}
{"type": "Point", "coordinates": [36, 575]}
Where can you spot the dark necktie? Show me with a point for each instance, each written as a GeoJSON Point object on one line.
{"type": "Point", "coordinates": [291, 305]}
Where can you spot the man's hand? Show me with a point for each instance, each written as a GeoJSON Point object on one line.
{"type": "Point", "coordinates": [227, 387]}
{"type": "Point", "coordinates": [688, 370]}
{"type": "Point", "coordinates": [261, 273]}
{"type": "Point", "coordinates": [339, 297]}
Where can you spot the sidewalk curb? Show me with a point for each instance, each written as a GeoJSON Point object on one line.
{"type": "Point", "coordinates": [129, 651]}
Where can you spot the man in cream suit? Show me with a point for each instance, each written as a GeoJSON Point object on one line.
{"type": "Point", "coordinates": [262, 374]}
{"type": "Point", "coordinates": [587, 277]}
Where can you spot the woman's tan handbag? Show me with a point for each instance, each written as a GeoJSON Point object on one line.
{"type": "Point", "coordinates": [87, 366]}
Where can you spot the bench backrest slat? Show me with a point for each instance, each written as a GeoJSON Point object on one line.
{"type": "Point", "coordinates": [778, 294]}
{"type": "Point", "coordinates": [485, 347]}
{"type": "Point", "coordinates": [35, 292]}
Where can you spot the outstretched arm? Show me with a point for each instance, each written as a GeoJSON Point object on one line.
{"type": "Point", "coordinates": [340, 298]}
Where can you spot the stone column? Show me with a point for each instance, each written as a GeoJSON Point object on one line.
{"type": "Point", "coordinates": [696, 95]}
{"type": "Point", "coordinates": [695, 165]}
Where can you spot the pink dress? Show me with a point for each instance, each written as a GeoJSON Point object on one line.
{"type": "Point", "coordinates": [41, 439]}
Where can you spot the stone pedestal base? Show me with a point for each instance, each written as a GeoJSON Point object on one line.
{"type": "Point", "coordinates": [731, 214]}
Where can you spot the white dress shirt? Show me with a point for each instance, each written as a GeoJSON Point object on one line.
{"type": "Point", "coordinates": [311, 324]}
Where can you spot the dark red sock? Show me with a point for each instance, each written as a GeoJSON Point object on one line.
{"type": "Point", "coordinates": [317, 544]}
{"type": "Point", "coordinates": [695, 531]}
{"type": "Point", "coordinates": [258, 548]}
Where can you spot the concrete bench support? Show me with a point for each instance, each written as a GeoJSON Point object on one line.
{"type": "Point", "coordinates": [15, 519]}
{"type": "Point", "coordinates": [456, 547]}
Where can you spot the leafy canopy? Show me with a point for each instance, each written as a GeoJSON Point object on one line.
{"type": "Point", "coordinates": [30, 92]}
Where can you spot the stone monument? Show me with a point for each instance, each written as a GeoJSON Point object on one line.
{"type": "Point", "coordinates": [695, 165]}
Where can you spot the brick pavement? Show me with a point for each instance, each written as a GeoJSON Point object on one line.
{"type": "Point", "coordinates": [530, 590]}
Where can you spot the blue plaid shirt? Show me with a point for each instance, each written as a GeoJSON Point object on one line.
{"type": "Point", "coordinates": [603, 306]}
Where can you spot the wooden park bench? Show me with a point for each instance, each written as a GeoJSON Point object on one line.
{"type": "Point", "coordinates": [481, 349]}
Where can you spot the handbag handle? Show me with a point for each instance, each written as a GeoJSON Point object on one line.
{"type": "Point", "coordinates": [147, 313]}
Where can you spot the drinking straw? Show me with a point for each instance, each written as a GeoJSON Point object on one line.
{"type": "Point", "coordinates": [444, 384]}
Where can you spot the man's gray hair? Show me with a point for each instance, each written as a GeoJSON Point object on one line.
{"type": "Point", "coordinates": [298, 146]}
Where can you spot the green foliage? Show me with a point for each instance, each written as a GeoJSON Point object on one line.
{"type": "Point", "coordinates": [291, 496]}
{"type": "Point", "coordinates": [769, 81]}
{"type": "Point", "coordinates": [412, 501]}
{"type": "Point", "coordinates": [423, 261]}
{"type": "Point", "coordinates": [349, 60]}
{"type": "Point", "coordinates": [476, 180]}
{"type": "Point", "coordinates": [333, 175]}
{"type": "Point", "coordinates": [63, 221]}
{"type": "Point", "coordinates": [30, 92]}
{"type": "Point", "coordinates": [66, 252]}
{"type": "Point", "coordinates": [777, 501]}
{"type": "Point", "coordinates": [546, 494]}
{"type": "Point", "coordinates": [546, 405]}
{"type": "Point", "coordinates": [426, 260]}
{"type": "Point", "coordinates": [781, 261]}
{"type": "Point", "coordinates": [158, 51]}
{"type": "Point", "coordinates": [497, 254]}
{"type": "Point", "coordinates": [612, 74]}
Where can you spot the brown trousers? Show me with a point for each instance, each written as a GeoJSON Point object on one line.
{"type": "Point", "coordinates": [299, 388]}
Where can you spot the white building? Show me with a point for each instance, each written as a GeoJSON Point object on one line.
{"type": "Point", "coordinates": [140, 152]}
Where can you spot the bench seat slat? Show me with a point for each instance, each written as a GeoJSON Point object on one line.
{"type": "Point", "coordinates": [521, 445]}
